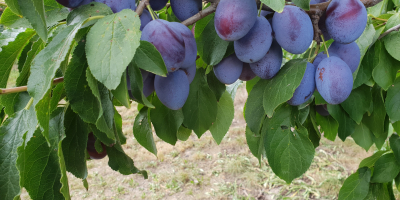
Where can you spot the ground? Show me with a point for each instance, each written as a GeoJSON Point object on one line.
{"type": "Point", "coordinates": [201, 169]}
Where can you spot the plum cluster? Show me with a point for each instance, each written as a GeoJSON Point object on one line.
{"type": "Point", "coordinates": [258, 44]}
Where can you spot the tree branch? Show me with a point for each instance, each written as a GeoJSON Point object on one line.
{"type": "Point", "coordinates": [25, 88]}
{"type": "Point", "coordinates": [396, 28]}
{"type": "Point", "coordinates": [200, 15]}
{"type": "Point", "coordinates": [141, 6]}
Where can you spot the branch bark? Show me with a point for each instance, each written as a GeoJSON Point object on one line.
{"type": "Point", "coordinates": [25, 88]}
{"type": "Point", "coordinates": [141, 6]}
{"type": "Point", "coordinates": [396, 28]}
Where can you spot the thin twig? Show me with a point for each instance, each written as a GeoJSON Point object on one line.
{"type": "Point", "coordinates": [25, 88]}
{"type": "Point", "coordinates": [396, 28]}
{"type": "Point", "coordinates": [141, 6]}
{"type": "Point", "coordinates": [200, 15]}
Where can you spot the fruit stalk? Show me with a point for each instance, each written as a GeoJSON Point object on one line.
{"type": "Point", "coordinates": [395, 28]}
{"type": "Point", "coordinates": [141, 6]}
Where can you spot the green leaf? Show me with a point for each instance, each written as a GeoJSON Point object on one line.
{"type": "Point", "coordinates": [200, 109]}
{"type": "Point", "coordinates": [281, 88]}
{"type": "Point", "coordinates": [166, 122]}
{"type": "Point", "coordinates": [57, 94]}
{"type": "Point", "coordinates": [289, 151]}
{"type": "Point", "coordinates": [304, 4]}
{"type": "Point", "coordinates": [74, 144]}
{"type": "Point", "coordinates": [395, 146]}
{"type": "Point", "coordinates": [386, 66]}
{"type": "Point", "coordinates": [24, 74]}
{"type": "Point", "coordinates": [210, 46]}
{"type": "Point", "coordinates": [396, 127]}
{"type": "Point", "coordinates": [121, 93]}
{"type": "Point", "coordinates": [9, 35]}
{"type": "Point", "coordinates": [313, 133]}
{"type": "Point", "coordinates": [386, 169]}
{"type": "Point", "coordinates": [392, 101]}
{"type": "Point", "coordinates": [101, 136]}
{"type": "Point", "coordinates": [118, 124]}
{"type": "Point", "coordinates": [143, 133]}
{"type": "Point", "coordinates": [183, 133]}
{"type": "Point", "coordinates": [119, 161]}
{"type": "Point", "coordinates": [20, 124]}
{"type": "Point", "coordinates": [366, 39]}
{"type": "Point", "coordinates": [363, 136]}
{"type": "Point", "coordinates": [111, 45]}
{"type": "Point", "coordinates": [8, 102]}
{"type": "Point", "coordinates": [77, 89]}
{"type": "Point", "coordinates": [370, 161]}
{"type": "Point", "coordinates": [376, 121]}
{"type": "Point", "coordinates": [255, 143]}
{"type": "Point", "coordinates": [148, 58]}
{"type": "Point", "coordinates": [64, 178]}
{"type": "Point", "coordinates": [33, 10]}
{"type": "Point", "coordinates": [318, 99]}
{"type": "Point", "coordinates": [10, 53]}
{"type": "Point", "coordinates": [215, 85]}
{"type": "Point", "coordinates": [54, 12]}
{"type": "Point", "coordinates": [106, 118]}
{"type": "Point", "coordinates": [11, 20]}
{"type": "Point", "coordinates": [14, 6]}
{"type": "Point", "coordinates": [48, 61]}
{"type": "Point", "coordinates": [276, 5]}
{"type": "Point", "coordinates": [250, 84]}
{"type": "Point", "coordinates": [358, 103]}
{"type": "Point", "coordinates": [39, 157]}
{"type": "Point", "coordinates": [346, 124]}
{"type": "Point", "coordinates": [329, 126]}
{"type": "Point", "coordinates": [225, 114]}
{"type": "Point", "coordinates": [92, 9]}
{"type": "Point", "coordinates": [42, 109]}
{"type": "Point", "coordinates": [365, 69]}
{"type": "Point", "coordinates": [136, 81]}
{"type": "Point", "coordinates": [392, 40]}
{"type": "Point", "coordinates": [397, 182]}
{"type": "Point", "coordinates": [232, 88]}
{"type": "Point", "coordinates": [356, 186]}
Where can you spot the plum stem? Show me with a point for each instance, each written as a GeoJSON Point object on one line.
{"type": "Point", "coordinates": [259, 11]}
{"type": "Point", "coordinates": [92, 18]}
{"type": "Point", "coordinates": [376, 18]}
{"type": "Point", "coordinates": [326, 48]}
{"type": "Point", "coordinates": [312, 46]}
{"type": "Point", "coordinates": [315, 54]}
{"type": "Point", "coordinates": [151, 12]}
{"type": "Point", "coordinates": [28, 106]}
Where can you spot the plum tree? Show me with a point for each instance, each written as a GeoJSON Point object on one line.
{"type": "Point", "coordinates": [334, 80]}
{"type": "Point", "coordinates": [118, 5]}
{"type": "Point", "coordinates": [158, 4]}
{"type": "Point", "coordinates": [349, 53]}
{"type": "Point", "coordinates": [322, 110]}
{"type": "Point", "coordinates": [270, 64]}
{"type": "Point", "coordinates": [247, 74]}
{"type": "Point", "coordinates": [145, 18]}
{"type": "Point", "coordinates": [91, 149]}
{"type": "Point", "coordinates": [172, 90]}
{"type": "Point", "coordinates": [293, 29]}
{"type": "Point", "coordinates": [229, 69]}
{"type": "Point", "coordinates": [256, 43]}
{"type": "Point", "coordinates": [346, 20]}
{"type": "Point", "coordinates": [168, 42]}
{"type": "Point", "coordinates": [70, 3]}
{"type": "Point", "coordinates": [306, 88]}
{"type": "Point", "coordinates": [184, 9]}
{"type": "Point", "coordinates": [190, 44]}
{"type": "Point", "coordinates": [234, 18]}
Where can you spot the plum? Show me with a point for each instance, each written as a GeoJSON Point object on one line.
{"type": "Point", "coordinates": [256, 43]}
{"type": "Point", "coordinates": [346, 20]}
{"type": "Point", "coordinates": [270, 64]}
{"type": "Point", "coordinates": [118, 5]}
{"type": "Point", "coordinates": [190, 44]}
{"type": "Point", "coordinates": [334, 80]}
{"type": "Point", "coordinates": [322, 110]}
{"type": "Point", "coordinates": [234, 18]}
{"type": "Point", "coordinates": [293, 29]}
{"type": "Point", "coordinates": [322, 27]}
{"type": "Point", "coordinates": [319, 58]}
{"type": "Point", "coordinates": [70, 3]}
{"type": "Point", "coordinates": [349, 53]}
{"type": "Point", "coordinates": [168, 42]}
{"type": "Point", "coordinates": [145, 18]}
{"type": "Point", "coordinates": [190, 72]}
{"type": "Point", "coordinates": [184, 9]}
{"type": "Point", "coordinates": [306, 88]}
{"type": "Point", "coordinates": [148, 85]}
{"type": "Point", "coordinates": [172, 90]}
{"type": "Point", "coordinates": [229, 69]}
{"type": "Point", "coordinates": [317, 1]}
{"type": "Point", "coordinates": [158, 4]}
{"type": "Point", "coordinates": [247, 73]}
{"type": "Point", "coordinates": [94, 155]}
